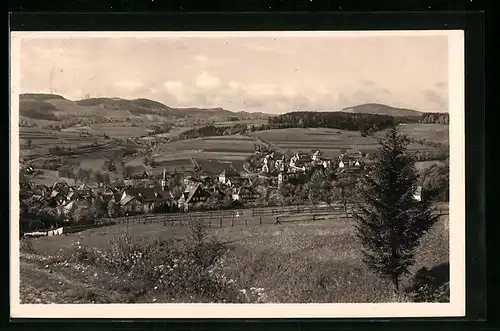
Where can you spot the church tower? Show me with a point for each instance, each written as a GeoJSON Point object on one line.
{"type": "Point", "coordinates": [163, 180]}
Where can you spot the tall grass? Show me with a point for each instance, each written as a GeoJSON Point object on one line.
{"type": "Point", "coordinates": [191, 270]}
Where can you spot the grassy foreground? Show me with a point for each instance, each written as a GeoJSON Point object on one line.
{"type": "Point", "coordinates": [290, 263]}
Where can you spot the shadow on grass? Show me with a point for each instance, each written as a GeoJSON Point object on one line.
{"type": "Point", "coordinates": [431, 285]}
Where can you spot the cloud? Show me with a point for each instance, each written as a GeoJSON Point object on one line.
{"type": "Point", "coordinates": [174, 87]}
{"type": "Point", "coordinates": [434, 99]}
{"type": "Point", "coordinates": [207, 81]}
{"type": "Point", "coordinates": [200, 58]}
{"type": "Point", "coordinates": [128, 85]}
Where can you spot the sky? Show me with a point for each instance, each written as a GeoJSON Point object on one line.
{"type": "Point", "coordinates": [272, 74]}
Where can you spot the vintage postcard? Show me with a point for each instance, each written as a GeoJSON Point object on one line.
{"type": "Point", "coordinates": [237, 174]}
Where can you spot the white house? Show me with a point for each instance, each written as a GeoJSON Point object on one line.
{"type": "Point", "coordinates": [317, 156]}
{"type": "Point", "coordinates": [418, 193]}
{"type": "Point", "coordinates": [282, 177]}
{"type": "Point", "coordinates": [228, 176]}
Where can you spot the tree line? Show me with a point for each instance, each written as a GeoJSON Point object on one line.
{"type": "Point", "coordinates": [334, 120]}
{"type": "Point", "coordinates": [436, 118]}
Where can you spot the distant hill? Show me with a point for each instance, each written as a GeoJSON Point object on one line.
{"type": "Point", "coordinates": [40, 96]}
{"type": "Point", "coordinates": [54, 107]}
{"type": "Point", "coordinates": [379, 109]}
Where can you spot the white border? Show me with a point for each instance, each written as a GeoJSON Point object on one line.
{"type": "Point", "coordinates": [456, 307]}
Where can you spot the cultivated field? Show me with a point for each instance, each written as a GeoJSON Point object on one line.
{"type": "Point", "coordinates": [121, 130]}
{"type": "Point", "coordinates": [329, 141]}
{"type": "Point", "coordinates": [430, 132]}
{"type": "Point", "coordinates": [293, 262]}
{"type": "Point", "coordinates": [235, 148]}
{"type": "Point", "coordinates": [42, 140]}
{"type": "Point", "coordinates": [255, 122]}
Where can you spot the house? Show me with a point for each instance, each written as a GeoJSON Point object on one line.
{"type": "Point", "coordinates": [129, 192]}
{"type": "Point", "coordinates": [109, 190]}
{"type": "Point", "coordinates": [150, 198]}
{"type": "Point", "coordinates": [418, 193]}
{"type": "Point", "coordinates": [192, 194]}
{"type": "Point", "coordinates": [130, 205]}
{"type": "Point", "coordinates": [66, 207]}
{"type": "Point", "coordinates": [265, 168]}
{"type": "Point", "coordinates": [229, 176]}
{"type": "Point", "coordinates": [106, 198]}
{"type": "Point", "coordinates": [57, 198]}
{"type": "Point", "coordinates": [282, 177]}
{"type": "Point", "coordinates": [191, 180]}
{"type": "Point", "coordinates": [316, 157]}
{"type": "Point", "coordinates": [245, 194]}
{"type": "Point", "coordinates": [218, 194]}
{"type": "Point", "coordinates": [84, 190]}
{"type": "Point", "coordinates": [62, 187]}
{"type": "Point", "coordinates": [327, 164]}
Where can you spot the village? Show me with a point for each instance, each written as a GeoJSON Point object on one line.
{"type": "Point", "coordinates": [211, 185]}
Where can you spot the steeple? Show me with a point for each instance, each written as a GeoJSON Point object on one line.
{"type": "Point", "coordinates": [163, 180]}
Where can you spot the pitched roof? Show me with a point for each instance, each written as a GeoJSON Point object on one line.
{"type": "Point", "coordinates": [192, 190]}
{"type": "Point", "coordinates": [147, 194]}
{"type": "Point", "coordinates": [83, 187]}
{"type": "Point", "coordinates": [126, 200]}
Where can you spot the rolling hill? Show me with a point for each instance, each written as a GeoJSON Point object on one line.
{"type": "Point", "coordinates": [55, 107]}
{"type": "Point", "coordinates": [376, 108]}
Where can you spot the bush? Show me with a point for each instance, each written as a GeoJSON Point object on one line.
{"type": "Point", "coordinates": [430, 285]}
{"type": "Point", "coordinates": [190, 271]}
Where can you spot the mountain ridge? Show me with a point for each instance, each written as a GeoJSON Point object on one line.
{"type": "Point", "coordinates": [381, 109]}
{"type": "Point", "coordinates": [54, 106]}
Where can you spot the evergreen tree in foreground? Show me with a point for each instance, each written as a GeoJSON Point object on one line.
{"type": "Point", "coordinates": [390, 221]}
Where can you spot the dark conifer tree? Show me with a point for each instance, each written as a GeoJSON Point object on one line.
{"type": "Point", "coordinates": [390, 221]}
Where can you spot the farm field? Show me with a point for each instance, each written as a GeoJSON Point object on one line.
{"type": "Point", "coordinates": [255, 122]}
{"type": "Point", "coordinates": [430, 132]}
{"type": "Point", "coordinates": [234, 148]}
{"type": "Point", "coordinates": [120, 130]}
{"type": "Point", "coordinates": [329, 141]}
{"type": "Point", "coordinates": [297, 262]}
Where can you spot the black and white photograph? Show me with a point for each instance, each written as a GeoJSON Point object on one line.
{"type": "Point", "coordinates": [226, 174]}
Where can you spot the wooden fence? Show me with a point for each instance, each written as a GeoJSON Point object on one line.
{"type": "Point", "coordinates": [245, 217]}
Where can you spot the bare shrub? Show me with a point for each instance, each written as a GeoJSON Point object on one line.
{"type": "Point", "coordinates": [188, 271]}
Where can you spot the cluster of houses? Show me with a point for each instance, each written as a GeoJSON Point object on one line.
{"type": "Point", "coordinates": [129, 199]}
{"type": "Point", "coordinates": [299, 163]}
